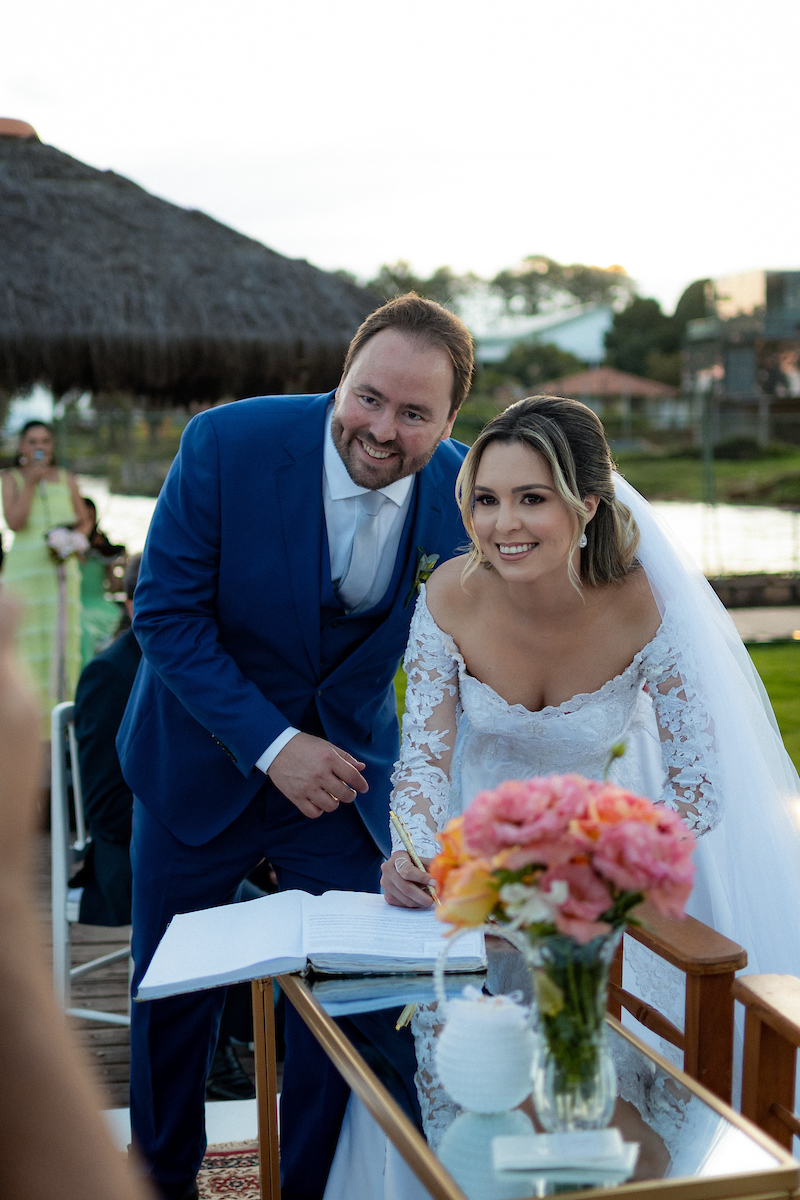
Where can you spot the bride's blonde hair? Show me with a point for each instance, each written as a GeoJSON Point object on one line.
{"type": "Point", "coordinates": [570, 437]}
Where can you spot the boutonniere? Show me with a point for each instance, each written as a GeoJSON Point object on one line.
{"type": "Point", "coordinates": [425, 565]}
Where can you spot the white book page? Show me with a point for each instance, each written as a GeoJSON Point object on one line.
{"type": "Point", "coordinates": [361, 925]}
{"type": "Point", "coordinates": [227, 944]}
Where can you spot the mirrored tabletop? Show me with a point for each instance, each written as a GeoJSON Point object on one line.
{"type": "Point", "coordinates": [684, 1134]}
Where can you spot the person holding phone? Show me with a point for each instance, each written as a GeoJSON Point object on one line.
{"type": "Point", "coordinates": [39, 496]}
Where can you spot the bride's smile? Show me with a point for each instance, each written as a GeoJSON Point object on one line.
{"type": "Point", "coordinates": [524, 528]}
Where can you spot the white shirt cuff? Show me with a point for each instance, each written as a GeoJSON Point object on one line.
{"type": "Point", "coordinates": [274, 748]}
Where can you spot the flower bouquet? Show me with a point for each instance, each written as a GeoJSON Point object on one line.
{"type": "Point", "coordinates": [62, 542]}
{"type": "Point", "coordinates": [565, 860]}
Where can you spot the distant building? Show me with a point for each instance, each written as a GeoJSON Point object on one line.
{"type": "Point", "coordinates": [745, 357]}
{"type": "Point", "coordinates": [630, 399]}
{"type": "Point", "coordinates": [579, 330]}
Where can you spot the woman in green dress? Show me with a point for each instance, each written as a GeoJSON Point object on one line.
{"type": "Point", "coordinates": [39, 496]}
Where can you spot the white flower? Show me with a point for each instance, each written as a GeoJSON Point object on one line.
{"type": "Point", "coordinates": [528, 905]}
{"type": "Point", "coordinates": [64, 542]}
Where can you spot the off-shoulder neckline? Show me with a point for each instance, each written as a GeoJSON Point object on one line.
{"type": "Point", "coordinates": [577, 701]}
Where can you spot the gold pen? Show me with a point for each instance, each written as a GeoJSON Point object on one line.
{"type": "Point", "coordinates": [405, 1016]}
{"type": "Point", "coordinates": [405, 838]}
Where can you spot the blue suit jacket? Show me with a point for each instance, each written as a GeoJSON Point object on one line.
{"type": "Point", "coordinates": [227, 613]}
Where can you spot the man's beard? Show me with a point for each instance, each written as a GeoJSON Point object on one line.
{"type": "Point", "coordinates": [382, 473]}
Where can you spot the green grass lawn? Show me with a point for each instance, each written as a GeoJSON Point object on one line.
{"type": "Point", "coordinates": [682, 478]}
{"type": "Point", "coordinates": [779, 667]}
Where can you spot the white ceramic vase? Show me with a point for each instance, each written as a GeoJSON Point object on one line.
{"type": "Point", "coordinates": [484, 1053]}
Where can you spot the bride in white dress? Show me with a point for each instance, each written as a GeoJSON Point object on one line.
{"type": "Point", "coordinates": [574, 623]}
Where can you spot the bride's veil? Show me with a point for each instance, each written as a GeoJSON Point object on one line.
{"type": "Point", "coordinates": [749, 866]}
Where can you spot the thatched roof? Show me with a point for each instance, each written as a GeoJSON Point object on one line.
{"type": "Point", "coordinates": [106, 288]}
{"type": "Point", "coordinates": [607, 381]}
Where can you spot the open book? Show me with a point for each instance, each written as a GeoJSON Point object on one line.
{"type": "Point", "coordinates": [338, 933]}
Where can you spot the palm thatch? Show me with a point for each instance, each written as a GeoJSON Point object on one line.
{"type": "Point", "coordinates": [106, 288]}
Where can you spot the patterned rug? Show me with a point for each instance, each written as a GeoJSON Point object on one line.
{"type": "Point", "coordinates": [230, 1170]}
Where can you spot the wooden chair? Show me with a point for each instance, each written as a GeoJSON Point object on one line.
{"type": "Point", "coordinates": [709, 962]}
{"type": "Point", "coordinates": [771, 1038]}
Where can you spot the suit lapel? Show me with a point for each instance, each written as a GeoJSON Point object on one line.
{"type": "Point", "coordinates": [302, 518]}
{"type": "Point", "coordinates": [434, 492]}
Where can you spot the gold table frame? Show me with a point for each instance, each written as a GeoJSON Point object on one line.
{"type": "Point", "coordinates": [778, 1183]}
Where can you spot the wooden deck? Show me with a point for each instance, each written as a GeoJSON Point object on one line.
{"type": "Point", "coordinates": [106, 1047]}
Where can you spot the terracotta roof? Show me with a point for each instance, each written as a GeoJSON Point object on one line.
{"type": "Point", "coordinates": [607, 381]}
{"type": "Point", "coordinates": [10, 127]}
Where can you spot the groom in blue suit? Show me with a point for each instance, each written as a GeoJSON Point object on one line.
{"type": "Point", "coordinates": [273, 606]}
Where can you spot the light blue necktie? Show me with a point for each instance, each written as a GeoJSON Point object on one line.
{"type": "Point", "coordinates": [365, 555]}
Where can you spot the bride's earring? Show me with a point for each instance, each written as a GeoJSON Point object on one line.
{"type": "Point", "coordinates": [583, 541]}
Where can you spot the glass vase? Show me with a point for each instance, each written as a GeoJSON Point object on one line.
{"type": "Point", "coordinates": [574, 1081]}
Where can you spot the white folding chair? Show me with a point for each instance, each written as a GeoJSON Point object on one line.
{"type": "Point", "coordinates": [65, 852]}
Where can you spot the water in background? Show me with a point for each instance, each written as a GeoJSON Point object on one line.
{"type": "Point", "coordinates": [733, 539]}
{"type": "Point", "coordinates": [725, 539]}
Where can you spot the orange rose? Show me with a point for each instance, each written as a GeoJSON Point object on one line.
{"type": "Point", "coordinates": [452, 853]}
{"type": "Point", "coordinates": [611, 806]}
{"type": "Point", "coordinates": [470, 894]}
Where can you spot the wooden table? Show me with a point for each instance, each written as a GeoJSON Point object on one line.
{"type": "Point", "coordinates": [761, 1169]}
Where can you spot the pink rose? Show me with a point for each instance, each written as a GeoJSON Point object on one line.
{"type": "Point", "coordinates": [533, 813]}
{"type": "Point", "coordinates": [548, 854]}
{"type": "Point", "coordinates": [653, 860]}
{"type": "Point", "coordinates": [589, 896]}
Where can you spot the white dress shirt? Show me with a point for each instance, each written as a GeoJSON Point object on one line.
{"type": "Point", "coordinates": [340, 498]}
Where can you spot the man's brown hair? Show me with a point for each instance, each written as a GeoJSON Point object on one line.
{"type": "Point", "coordinates": [432, 325]}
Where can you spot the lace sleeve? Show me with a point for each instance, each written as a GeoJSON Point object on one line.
{"type": "Point", "coordinates": [688, 747]}
{"type": "Point", "coordinates": [421, 776]}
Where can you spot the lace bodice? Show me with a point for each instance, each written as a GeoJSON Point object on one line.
{"type": "Point", "coordinates": [460, 736]}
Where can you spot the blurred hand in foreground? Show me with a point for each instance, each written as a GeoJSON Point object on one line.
{"type": "Point", "coordinates": [53, 1139]}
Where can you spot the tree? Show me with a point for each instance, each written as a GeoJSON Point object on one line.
{"type": "Point", "coordinates": [536, 363]}
{"type": "Point", "coordinates": [694, 304]}
{"type": "Point", "coordinates": [444, 285]}
{"type": "Point", "coordinates": [537, 283]}
{"type": "Point", "coordinates": [644, 341]}
{"type": "Point", "coordinates": [347, 276]}
{"type": "Point", "coordinates": [540, 283]}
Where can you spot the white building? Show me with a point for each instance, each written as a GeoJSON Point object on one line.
{"type": "Point", "coordinates": [579, 330]}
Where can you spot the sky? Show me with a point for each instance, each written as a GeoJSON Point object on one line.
{"type": "Point", "coordinates": [658, 135]}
